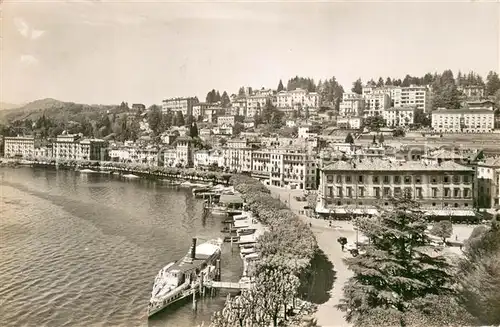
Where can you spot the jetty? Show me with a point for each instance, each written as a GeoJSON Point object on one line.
{"type": "Point", "coordinates": [228, 285]}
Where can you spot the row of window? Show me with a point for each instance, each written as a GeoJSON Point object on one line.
{"type": "Point", "coordinates": [387, 192]}
{"type": "Point", "coordinates": [455, 179]}
{"type": "Point", "coordinates": [434, 204]}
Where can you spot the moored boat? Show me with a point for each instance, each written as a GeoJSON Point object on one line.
{"type": "Point", "coordinates": [182, 278]}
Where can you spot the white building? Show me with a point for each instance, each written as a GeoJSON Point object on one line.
{"type": "Point", "coordinates": [352, 106]}
{"type": "Point", "coordinates": [417, 96]}
{"type": "Point", "coordinates": [184, 105]}
{"type": "Point", "coordinates": [256, 103]}
{"type": "Point", "coordinates": [226, 120]}
{"type": "Point", "coordinates": [285, 167]}
{"type": "Point", "coordinates": [472, 91]}
{"type": "Point", "coordinates": [19, 146]}
{"type": "Point", "coordinates": [376, 103]}
{"type": "Point", "coordinates": [463, 120]}
{"type": "Point", "coordinates": [207, 158]}
{"type": "Point", "coordinates": [237, 155]}
{"type": "Point", "coordinates": [297, 99]}
{"type": "Point", "coordinates": [239, 107]}
{"type": "Point", "coordinates": [399, 117]}
{"type": "Point", "coordinates": [349, 122]}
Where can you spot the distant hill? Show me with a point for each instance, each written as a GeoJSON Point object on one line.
{"type": "Point", "coordinates": [54, 109]}
{"type": "Point", "coordinates": [7, 106]}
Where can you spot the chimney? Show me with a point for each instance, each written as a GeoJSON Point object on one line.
{"type": "Point", "coordinates": [193, 249]}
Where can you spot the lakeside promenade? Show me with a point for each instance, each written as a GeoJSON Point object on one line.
{"type": "Point", "coordinates": [327, 315]}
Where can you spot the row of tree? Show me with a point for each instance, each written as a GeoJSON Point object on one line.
{"type": "Point", "coordinates": [286, 251]}
{"type": "Point", "coordinates": [215, 97]}
{"type": "Point", "coordinates": [402, 279]}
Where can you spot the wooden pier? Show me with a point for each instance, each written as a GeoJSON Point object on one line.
{"type": "Point", "coordinates": [227, 285]}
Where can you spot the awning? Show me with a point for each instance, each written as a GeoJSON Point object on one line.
{"type": "Point", "coordinates": [452, 213]}
{"type": "Point", "coordinates": [230, 199]}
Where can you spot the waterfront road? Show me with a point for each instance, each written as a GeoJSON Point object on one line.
{"type": "Point", "coordinates": [327, 315]}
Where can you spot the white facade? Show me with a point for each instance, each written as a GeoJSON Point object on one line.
{"type": "Point", "coordinates": [376, 103]}
{"type": "Point", "coordinates": [239, 107]}
{"type": "Point", "coordinates": [349, 122]}
{"type": "Point", "coordinates": [184, 105]}
{"type": "Point", "coordinates": [411, 96]}
{"type": "Point", "coordinates": [463, 121]}
{"type": "Point", "coordinates": [399, 117]}
{"type": "Point", "coordinates": [255, 104]}
{"type": "Point", "coordinates": [226, 120]}
{"type": "Point", "coordinates": [352, 107]}
{"type": "Point", "coordinates": [237, 156]}
{"type": "Point", "coordinates": [285, 167]}
{"type": "Point", "coordinates": [296, 99]}
{"type": "Point", "coordinates": [19, 147]}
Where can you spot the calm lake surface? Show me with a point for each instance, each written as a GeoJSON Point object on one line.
{"type": "Point", "coordinates": [83, 249]}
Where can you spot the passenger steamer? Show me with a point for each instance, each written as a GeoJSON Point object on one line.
{"type": "Point", "coordinates": [180, 279]}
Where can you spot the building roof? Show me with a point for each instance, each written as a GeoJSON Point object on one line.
{"type": "Point", "coordinates": [386, 165]}
{"type": "Point", "coordinates": [462, 111]}
{"type": "Point", "coordinates": [408, 108]}
{"type": "Point", "coordinates": [230, 199]}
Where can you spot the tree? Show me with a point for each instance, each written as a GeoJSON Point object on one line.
{"type": "Point", "coordinates": [193, 130]}
{"type": "Point", "coordinates": [241, 92]}
{"type": "Point", "coordinates": [478, 274]}
{"type": "Point", "coordinates": [154, 118]}
{"type": "Point", "coordinates": [238, 128]}
{"type": "Point", "coordinates": [398, 132]}
{"type": "Point", "coordinates": [380, 82]}
{"type": "Point", "coordinates": [421, 118]}
{"type": "Point", "coordinates": [179, 119]}
{"type": "Point", "coordinates": [374, 141]}
{"type": "Point", "coordinates": [342, 241]}
{"type": "Point", "coordinates": [312, 200]}
{"type": "Point", "coordinates": [388, 81]}
{"type": "Point", "coordinates": [225, 101]}
{"type": "Point", "coordinates": [492, 83]}
{"type": "Point", "coordinates": [280, 86]}
{"type": "Point", "coordinates": [357, 86]}
{"type": "Point", "coordinates": [330, 93]}
{"type": "Point", "coordinates": [302, 83]}
{"type": "Point", "coordinates": [395, 276]}
{"type": "Point", "coordinates": [374, 123]}
{"type": "Point", "coordinates": [349, 139]}
{"type": "Point", "coordinates": [442, 229]}
{"type": "Point", "coordinates": [381, 138]}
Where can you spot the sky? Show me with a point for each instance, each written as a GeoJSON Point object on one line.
{"type": "Point", "coordinates": [105, 52]}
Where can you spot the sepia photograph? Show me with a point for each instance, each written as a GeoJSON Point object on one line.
{"type": "Point", "coordinates": [249, 163]}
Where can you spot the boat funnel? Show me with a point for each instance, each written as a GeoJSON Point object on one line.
{"type": "Point", "coordinates": [193, 249]}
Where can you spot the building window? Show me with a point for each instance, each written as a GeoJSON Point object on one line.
{"type": "Point", "coordinates": [360, 179]}
{"type": "Point", "coordinates": [446, 179]}
{"type": "Point", "coordinates": [456, 193]}
{"type": "Point", "coordinates": [467, 193]}
{"type": "Point", "coordinates": [446, 192]}
{"type": "Point", "coordinates": [339, 192]}
{"type": "Point", "coordinates": [329, 178]}
{"type": "Point", "coordinates": [418, 179]}
{"type": "Point", "coordinates": [456, 179]}
{"type": "Point", "coordinates": [348, 179]}
{"type": "Point", "coordinates": [434, 180]}
{"type": "Point", "coordinates": [361, 191]}
{"type": "Point", "coordinates": [397, 191]}
{"type": "Point", "coordinates": [433, 204]}
{"type": "Point", "coordinates": [330, 191]}
{"type": "Point", "coordinates": [376, 192]}
{"type": "Point", "coordinates": [349, 192]}
{"type": "Point", "coordinates": [387, 192]}
{"type": "Point", "coordinates": [408, 192]}
{"type": "Point", "coordinates": [407, 179]}
{"type": "Point", "coordinates": [386, 180]}
{"type": "Point", "coordinates": [339, 179]}
{"type": "Point", "coordinates": [466, 179]}
{"type": "Point", "coordinates": [397, 179]}
{"type": "Point", "coordinates": [434, 192]}
{"type": "Point", "coordinates": [418, 191]}
{"type": "Point", "coordinates": [456, 205]}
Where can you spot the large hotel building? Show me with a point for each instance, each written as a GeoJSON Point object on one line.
{"type": "Point", "coordinates": [442, 188]}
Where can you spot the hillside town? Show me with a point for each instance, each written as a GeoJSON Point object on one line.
{"type": "Point", "coordinates": [352, 148]}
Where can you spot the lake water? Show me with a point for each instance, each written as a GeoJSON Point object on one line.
{"type": "Point", "coordinates": [83, 249]}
